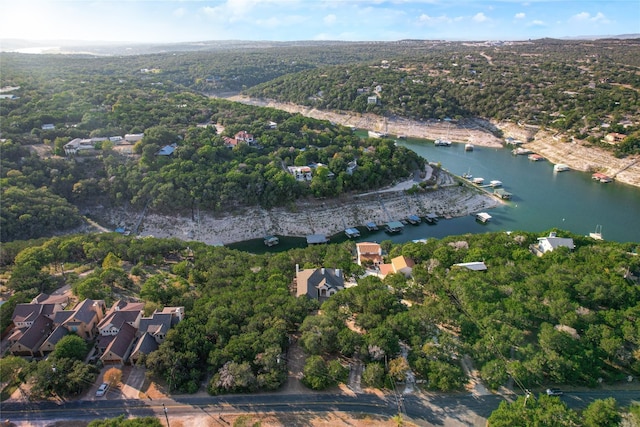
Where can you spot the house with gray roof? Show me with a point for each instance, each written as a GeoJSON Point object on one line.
{"type": "Point", "coordinates": [144, 345]}
{"type": "Point", "coordinates": [319, 283]}
{"type": "Point", "coordinates": [118, 350]}
{"type": "Point", "coordinates": [27, 341]}
{"type": "Point", "coordinates": [550, 243]}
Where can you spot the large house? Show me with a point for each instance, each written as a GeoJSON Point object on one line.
{"type": "Point", "coordinates": [368, 252]}
{"type": "Point", "coordinates": [548, 244]}
{"type": "Point", "coordinates": [319, 283]}
{"type": "Point", "coordinates": [400, 264]}
{"type": "Point", "coordinates": [126, 335]}
{"type": "Point", "coordinates": [40, 324]}
{"type": "Point", "coordinates": [120, 332]}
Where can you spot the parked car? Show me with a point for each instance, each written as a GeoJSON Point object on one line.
{"type": "Point", "coordinates": [554, 392]}
{"type": "Point", "coordinates": [102, 390]}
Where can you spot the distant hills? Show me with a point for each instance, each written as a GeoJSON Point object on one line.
{"type": "Point", "coordinates": [107, 48]}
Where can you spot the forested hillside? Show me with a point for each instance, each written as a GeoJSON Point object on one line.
{"type": "Point", "coordinates": [564, 318]}
{"type": "Point", "coordinates": [586, 89]}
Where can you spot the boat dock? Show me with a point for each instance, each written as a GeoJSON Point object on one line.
{"type": "Point", "coordinates": [414, 219]}
{"type": "Point", "coordinates": [371, 226]}
{"type": "Point", "coordinates": [502, 193]}
{"type": "Point", "coordinates": [352, 232]}
{"type": "Point", "coordinates": [600, 177]}
{"type": "Point", "coordinates": [483, 217]}
{"type": "Point", "coordinates": [394, 227]}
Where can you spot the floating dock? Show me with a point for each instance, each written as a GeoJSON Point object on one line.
{"type": "Point", "coordinates": [271, 241]}
{"type": "Point", "coordinates": [394, 227]}
{"type": "Point", "coordinates": [483, 217]}
{"type": "Point", "coordinates": [352, 232]}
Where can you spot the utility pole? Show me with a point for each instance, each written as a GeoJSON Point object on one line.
{"type": "Point", "coordinates": [166, 414]}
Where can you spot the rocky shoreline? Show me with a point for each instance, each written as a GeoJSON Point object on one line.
{"type": "Point", "coordinates": [445, 196]}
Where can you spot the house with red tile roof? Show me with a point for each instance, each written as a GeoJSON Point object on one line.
{"type": "Point", "coordinates": [368, 252]}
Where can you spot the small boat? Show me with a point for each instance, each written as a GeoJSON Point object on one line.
{"type": "Point", "coordinates": [352, 232]}
{"type": "Point", "coordinates": [561, 167]}
{"type": "Point", "coordinates": [402, 136]}
{"type": "Point", "coordinates": [495, 183]}
{"type": "Point", "coordinates": [374, 134]}
{"type": "Point", "coordinates": [601, 177]}
{"type": "Point", "coordinates": [468, 147]}
{"type": "Point", "coordinates": [271, 241]}
{"type": "Point", "coordinates": [442, 142]}
{"type": "Point", "coordinates": [467, 175]}
{"type": "Point", "coordinates": [483, 217]}
{"type": "Point", "coordinates": [477, 181]}
{"type": "Point", "coordinates": [597, 235]}
{"type": "Point", "coordinates": [520, 151]}
{"type": "Point", "coordinates": [414, 219]}
{"type": "Point", "coordinates": [535, 157]}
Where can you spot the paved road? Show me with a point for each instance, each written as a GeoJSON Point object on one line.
{"type": "Point", "coordinates": [424, 411]}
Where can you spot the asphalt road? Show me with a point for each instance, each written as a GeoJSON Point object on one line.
{"type": "Point", "coordinates": [426, 411]}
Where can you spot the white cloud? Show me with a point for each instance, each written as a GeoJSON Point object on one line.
{"type": "Point", "coordinates": [480, 17]}
{"type": "Point", "coordinates": [587, 17]}
{"type": "Point", "coordinates": [433, 20]}
{"type": "Point", "coordinates": [536, 23]}
{"type": "Point", "coordinates": [519, 15]}
{"type": "Point", "coordinates": [330, 19]}
{"type": "Point", "coordinates": [179, 12]}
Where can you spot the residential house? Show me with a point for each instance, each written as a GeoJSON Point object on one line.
{"type": "Point", "coordinates": [474, 266]}
{"type": "Point", "coordinates": [614, 137]}
{"type": "Point", "coordinates": [403, 265]}
{"type": "Point", "coordinates": [301, 173]}
{"type": "Point", "coordinates": [43, 298]}
{"type": "Point", "coordinates": [50, 342]}
{"type": "Point", "coordinates": [167, 150]}
{"type": "Point", "coordinates": [319, 283]}
{"type": "Point", "coordinates": [132, 138]}
{"type": "Point", "coordinates": [548, 244]}
{"type": "Point", "coordinates": [372, 100]}
{"type": "Point", "coordinates": [244, 136]}
{"type": "Point", "coordinates": [79, 144]}
{"type": "Point", "coordinates": [144, 345]}
{"type": "Point", "coordinates": [351, 167]}
{"type": "Point", "coordinates": [368, 252]}
{"type": "Point", "coordinates": [118, 350]}
{"type": "Point", "coordinates": [83, 319]}
{"type": "Point", "coordinates": [48, 126]}
{"type": "Point", "coordinates": [26, 341]}
{"type": "Point", "coordinates": [25, 314]}
{"type": "Point", "coordinates": [120, 314]}
{"type": "Point", "coordinates": [399, 264]}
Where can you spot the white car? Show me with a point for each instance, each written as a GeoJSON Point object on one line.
{"type": "Point", "coordinates": [102, 390]}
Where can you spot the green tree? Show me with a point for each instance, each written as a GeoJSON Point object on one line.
{"type": "Point", "coordinates": [316, 374]}
{"type": "Point", "coordinates": [529, 411]}
{"type": "Point", "coordinates": [602, 413]}
{"type": "Point", "coordinates": [70, 347]}
{"type": "Point", "coordinates": [373, 375]}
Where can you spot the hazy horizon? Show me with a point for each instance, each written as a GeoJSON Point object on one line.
{"type": "Point", "coordinates": [193, 21]}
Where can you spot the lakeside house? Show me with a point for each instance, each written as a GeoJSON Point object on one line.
{"type": "Point", "coordinates": [368, 252]}
{"type": "Point", "coordinates": [400, 264]}
{"type": "Point", "coordinates": [318, 283]}
{"type": "Point", "coordinates": [550, 243]}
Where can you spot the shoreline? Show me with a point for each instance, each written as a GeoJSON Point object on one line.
{"type": "Point", "coordinates": [447, 198]}
{"type": "Point", "coordinates": [554, 147]}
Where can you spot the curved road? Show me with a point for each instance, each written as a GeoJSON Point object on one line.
{"type": "Point", "coordinates": [424, 411]}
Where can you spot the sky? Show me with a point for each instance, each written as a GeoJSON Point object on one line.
{"type": "Point", "coordinates": [167, 21]}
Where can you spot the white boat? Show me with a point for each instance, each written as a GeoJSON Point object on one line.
{"type": "Point", "coordinates": [561, 167]}
{"type": "Point", "coordinates": [477, 181]}
{"type": "Point", "coordinates": [597, 235]}
{"type": "Point", "coordinates": [374, 134]}
{"type": "Point", "coordinates": [468, 147]}
{"type": "Point", "coordinates": [483, 217]}
{"type": "Point", "coordinates": [442, 142]}
{"type": "Point", "coordinates": [495, 183]}
{"type": "Point", "coordinates": [467, 175]}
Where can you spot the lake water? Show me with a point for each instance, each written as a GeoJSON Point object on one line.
{"type": "Point", "coordinates": [542, 199]}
